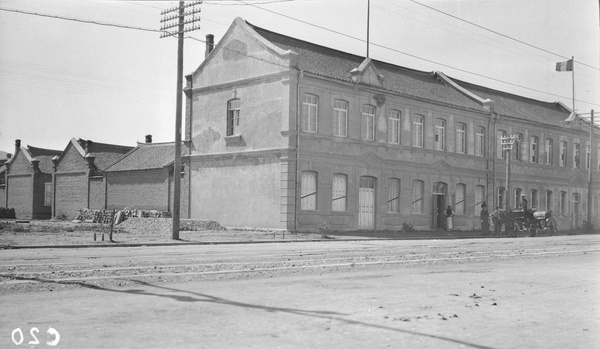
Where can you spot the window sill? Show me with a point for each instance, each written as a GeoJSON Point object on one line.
{"type": "Point", "coordinates": [233, 140]}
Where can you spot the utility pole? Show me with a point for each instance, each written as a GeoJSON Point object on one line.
{"type": "Point", "coordinates": [589, 201]}
{"type": "Point", "coordinates": [171, 21]}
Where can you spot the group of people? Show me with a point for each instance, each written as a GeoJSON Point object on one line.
{"type": "Point", "coordinates": [485, 215]}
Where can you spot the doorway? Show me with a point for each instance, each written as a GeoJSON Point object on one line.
{"type": "Point", "coordinates": [439, 205]}
{"type": "Point", "coordinates": [366, 203]}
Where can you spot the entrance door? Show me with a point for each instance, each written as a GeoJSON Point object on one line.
{"type": "Point", "coordinates": [438, 211]}
{"type": "Point", "coordinates": [366, 203]}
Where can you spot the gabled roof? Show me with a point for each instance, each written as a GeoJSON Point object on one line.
{"type": "Point", "coordinates": [507, 104]}
{"type": "Point", "coordinates": [43, 155]}
{"type": "Point", "coordinates": [104, 154]}
{"type": "Point", "coordinates": [330, 63]}
{"type": "Point", "coordinates": [147, 156]}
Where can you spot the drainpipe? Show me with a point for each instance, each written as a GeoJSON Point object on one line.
{"type": "Point", "coordinates": [296, 186]}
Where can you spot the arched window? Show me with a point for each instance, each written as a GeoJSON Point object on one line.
{"type": "Point", "coordinates": [459, 205]}
{"type": "Point", "coordinates": [417, 199]}
{"type": "Point", "coordinates": [563, 203]}
{"type": "Point", "coordinates": [394, 195]}
{"type": "Point", "coordinates": [479, 197]}
{"type": "Point", "coordinates": [549, 200]}
{"type": "Point", "coordinates": [308, 200]}
{"type": "Point", "coordinates": [339, 192]}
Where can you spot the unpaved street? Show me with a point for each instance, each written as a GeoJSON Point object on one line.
{"type": "Point", "coordinates": [490, 293]}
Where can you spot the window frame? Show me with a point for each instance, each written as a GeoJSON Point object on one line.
{"type": "Point", "coordinates": [549, 200]}
{"type": "Point", "coordinates": [461, 138]}
{"type": "Point", "coordinates": [501, 197]}
{"type": "Point", "coordinates": [562, 157]}
{"type": "Point", "coordinates": [368, 122]}
{"type": "Point", "coordinates": [394, 121]}
{"type": "Point", "coordinates": [339, 203]}
{"type": "Point", "coordinates": [534, 149]}
{"type": "Point", "coordinates": [310, 204]}
{"type": "Point", "coordinates": [533, 199]}
{"type": "Point", "coordinates": [417, 131]}
{"type": "Point", "coordinates": [439, 139]}
{"type": "Point", "coordinates": [233, 117]}
{"type": "Point", "coordinates": [418, 196]}
{"type": "Point", "coordinates": [517, 196]}
{"type": "Point", "coordinates": [393, 203]}
{"type": "Point", "coordinates": [549, 150]}
{"type": "Point", "coordinates": [564, 211]}
{"type": "Point", "coordinates": [576, 155]}
{"type": "Point", "coordinates": [308, 106]}
{"type": "Point", "coordinates": [340, 116]}
{"type": "Point", "coordinates": [460, 206]}
{"type": "Point", "coordinates": [480, 141]}
{"type": "Point", "coordinates": [500, 152]}
{"type": "Point", "coordinates": [479, 196]}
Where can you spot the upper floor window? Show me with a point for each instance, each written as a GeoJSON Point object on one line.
{"type": "Point", "coordinates": [459, 206]}
{"type": "Point", "coordinates": [588, 156]}
{"type": "Point", "coordinates": [394, 127]}
{"type": "Point", "coordinates": [310, 111]}
{"type": "Point", "coordinates": [461, 138]}
{"type": "Point", "coordinates": [440, 134]}
{"type": "Point", "coordinates": [394, 195]}
{"type": "Point", "coordinates": [563, 154]}
{"type": "Point", "coordinates": [576, 155]}
{"type": "Point", "coordinates": [417, 131]}
{"type": "Point", "coordinates": [233, 117]}
{"type": "Point", "coordinates": [500, 152]}
{"type": "Point", "coordinates": [517, 147]}
{"type": "Point", "coordinates": [479, 141]}
{"type": "Point", "coordinates": [308, 191]}
{"type": "Point", "coordinates": [417, 199]}
{"type": "Point", "coordinates": [533, 149]}
{"type": "Point", "coordinates": [338, 192]}
{"type": "Point", "coordinates": [549, 150]}
{"type": "Point", "coordinates": [340, 118]}
{"type": "Point", "coordinates": [368, 122]}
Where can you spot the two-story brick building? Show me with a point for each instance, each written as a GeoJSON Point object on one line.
{"type": "Point", "coordinates": [286, 134]}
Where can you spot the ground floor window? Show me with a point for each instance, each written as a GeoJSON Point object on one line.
{"type": "Point", "coordinates": [479, 196]}
{"type": "Point", "coordinates": [308, 193]}
{"type": "Point", "coordinates": [459, 206]}
{"type": "Point", "coordinates": [417, 199]}
{"type": "Point", "coordinates": [338, 193]}
{"type": "Point", "coordinates": [394, 195]}
{"type": "Point", "coordinates": [501, 197]}
{"type": "Point", "coordinates": [549, 200]}
{"type": "Point", "coordinates": [563, 203]}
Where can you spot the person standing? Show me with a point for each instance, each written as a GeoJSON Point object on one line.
{"type": "Point", "coordinates": [449, 213]}
{"type": "Point", "coordinates": [485, 219]}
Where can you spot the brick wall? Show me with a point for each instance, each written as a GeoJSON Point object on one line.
{"type": "Point", "coordinates": [20, 195]}
{"type": "Point", "coordinates": [40, 210]}
{"type": "Point", "coordinates": [97, 193]}
{"type": "Point", "coordinates": [147, 190]}
{"type": "Point", "coordinates": [71, 194]}
{"type": "Point", "coordinates": [2, 195]}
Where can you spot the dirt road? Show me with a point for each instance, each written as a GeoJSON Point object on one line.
{"type": "Point", "coordinates": [493, 293]}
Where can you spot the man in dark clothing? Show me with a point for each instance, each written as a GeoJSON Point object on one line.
{"type": "Point", "coordinates": [485, 219]}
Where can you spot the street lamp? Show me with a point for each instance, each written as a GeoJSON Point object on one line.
{"type": "Point", "coordinates": [573, 117]}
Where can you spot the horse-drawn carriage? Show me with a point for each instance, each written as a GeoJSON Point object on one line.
{"type": "Point", "coordinates": [533, 221]}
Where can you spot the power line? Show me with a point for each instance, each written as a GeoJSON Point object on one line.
{"type": "Point", "coordinates": [500, 34]}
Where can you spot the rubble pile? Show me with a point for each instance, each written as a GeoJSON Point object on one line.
{"type": "Point", "coordinates": [152, 226]}
{"type": "Point", "coordinates": [108, 216]}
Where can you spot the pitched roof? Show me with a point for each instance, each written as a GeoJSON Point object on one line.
{"type": "Point", "coordinates": [508, 104]}
{"type": "Point", "coordinates": [327, 62]}
{"type": "Point", "coordinates": [108, 154]}
{"type": "Point", "coordinates": [147, 156]}
{"type": "Point", "coordinates": [44, 156]}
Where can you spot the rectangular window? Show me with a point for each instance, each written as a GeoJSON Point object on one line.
{"type": "Point", "coordinates": [310, 107]}
{"type": "Point", "coordinates": [576, 160]}
{"type": "Point", "coordinates": [479, 196]}
{"type": "Point", "coordinates": [461, 138]}
{"type": "Point", "coordinates": [308, 200]}
{"type": "Point", "coordinates": [548, 145]}
{"type": "Point", "coordinates": [534, 199]}
{"type": "Point", "coordinates": [563, 203]}
{"type": "Point", "coordinates": [549, 200]}
{"type": "Point", "coordinates": [517, 197]}
{"type": "Point", "coordinates": [368, 122]}
{"type": "Point", "coordinates": [338, 193]}
{"type": "Point", "coordinates": [501, 197]}
{"type": "Point", "coordinates": [48, 194]}
{"type": "Point", "coordinates": [479, 141]}
{"type": "Point", "coordinates": [588, 157]}
{"type": "Point", "coordinates": [500, 153]}
{"type": "Point", "coordinates": [459, 206]}
{"type": "Point", "coordinates": [418, 131]}
{"type": "Point", "coordinates": [440, 134]}
{"type": "Point", "coordinates": [394, 127]}
{"type": "Point", "coordinates": [340, 118]}
{"type": "Point", "coordinates": [394, 195]}
{"type": "Point", "coordinates": [563, 154]}
{"type": "Point", "coordinates": [233, 117]}
{"type": "Point", "coordinates": [417, 199]}
{"type": "Point", "coordinates": [517, 147]}
{"type": "Point", "coordinates": [533, 149]}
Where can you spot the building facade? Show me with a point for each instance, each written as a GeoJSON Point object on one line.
{"type": "Point", "coordinates": [286, 134]}
{"type": "Point", "coordinates": [28, 182]}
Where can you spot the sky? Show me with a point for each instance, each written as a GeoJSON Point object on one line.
{"type": "Point", "coordinates": [61, 79]}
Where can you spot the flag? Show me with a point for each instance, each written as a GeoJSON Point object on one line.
{"type": "Point", "coordinates": [565, 66]}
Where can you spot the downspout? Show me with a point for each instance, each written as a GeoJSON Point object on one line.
{"type": "Point", "coordinates": [188, 136]}
{"type": "Point", "coordinates": [296, 186]}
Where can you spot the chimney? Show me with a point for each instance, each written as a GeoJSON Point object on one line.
{"type": "Point", "coordinates": [88, 146]}
{"type": "Point", "coordinates": [36, 164]}
{"type": "Point", "coordinates": [148, 138]}
{"type": "Point", "coordinates": [210, 43]}
{"type": "Point", "coordinates": [17, 145]}
{"type": "Point", "coordinates": [55, 162]}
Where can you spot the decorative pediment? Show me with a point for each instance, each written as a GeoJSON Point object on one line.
{"type": "Point", "coordinates": [578, 179]}
{"type": "Point", "coordinates": [441, 166]}
{"type": "Point", "coordinates": [371, 159]}
{"type": "Point", "coordinates": [367, 73]}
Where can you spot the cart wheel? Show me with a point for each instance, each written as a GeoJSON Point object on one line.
{"type": "Point", "coordinates": [552, 227]}
{"type": "Point", "coordinates": [532, 229]}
